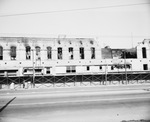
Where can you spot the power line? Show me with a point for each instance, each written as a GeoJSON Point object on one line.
{"type": "Point", "coordinates": [71, 10]}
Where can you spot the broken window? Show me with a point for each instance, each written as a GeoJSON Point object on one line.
{"type": "Point", "coordinates": [70, 53]}
{"type": "Point", "coordinates": [28, 52]}
{"type": "Point", "coordinates": [1, 53]}
{"type": "Point", "coordinates": [81, 53]}
{"type": "Point", "coordinates": [13, 52]}
{"type": "Point", "coordinates": [92, 53]}
{"type": "Point", "coordinates": [145, 67]}
{"type": "Point", "coordinates": [59, 53]}
{"type": "Point", "coordinates": [38, 52]}
{"type": "Point", "coordinates": [144, 52]}
{"type": "Point", "coordinates": [49, 53]}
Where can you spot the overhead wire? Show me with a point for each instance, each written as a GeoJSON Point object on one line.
{"type": "Point", "coordinates": [71, 10]}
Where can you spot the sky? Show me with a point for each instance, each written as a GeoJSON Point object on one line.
{"type": "Point", "coordinates": [114, 23]}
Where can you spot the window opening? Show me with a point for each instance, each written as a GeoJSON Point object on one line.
{"type": "Point", "coordinates": [38, 53]}
{"type": "Point", "coordinates": [13, 52]}
{"type": "Point", "coordinates": [70, 53]}
{"type": "Point", "coordinates": [59, 53]}
{"type": "Point", "coordinates": [87, 68]}
{"type": "Point", "coordinates": [145, 67]}
{"type": "Point", "coordinates": [1, 53]}
{"type": "Point", "coordinates": [48, 70]}
{"type": "Point", "coordinates": [49, 53]}
{"type": "Point", "coordinates": [68, 70]}
{"type": "Point", "coordinates": [28, 52]}
{"type": "Point", "coordinates": [71, 69]}
{"type": "Point", "coordinates": [92, 53]}
{"type": "Point", "coordinates": [100, 67]}
{"type": "Point", "coordinates": [144, 52]}
{"type": "Point", "coordinates": [81, 53]}
{"type": "Point", "coordinates": [38, 70]}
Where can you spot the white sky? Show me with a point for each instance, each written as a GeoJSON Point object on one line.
{"type": "Point", "coordinates": [113, 26]}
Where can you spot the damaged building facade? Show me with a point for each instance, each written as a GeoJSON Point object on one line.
{"type": "Point", "coordinates": [21, 56]}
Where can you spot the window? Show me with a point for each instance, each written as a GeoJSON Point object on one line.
{"type": "Point", "coordinates": [112, 67]}
{"type": "Point", "coordinates": [13, 52]}
{"type": "Point", "coordinates": [87, 68]}
{"type": "Point", "coordinates": [71, 69]}
{"type": "Point", "coordinates": [28, 52]}
{"type": "Point", "coordinates": [37, 50]}
{"type": "Point", "coordinates": [144, 52]}
{"type": "Point", "coordinates": [100, 67]}
{"type": "Point", "coordinates": [1, 53]}
{"type": "Point", "coordinates": [145, 67]}
{"type": "Point", "coordinates": [48, 70]}
{"type": "Point", "coordinates": [59, 53]}
{"type": "Point", "coordinates": [81, 53]}
{"type": "Point", "coordinates": [70, 53]}
{"type": "Point", "coordinates": [92, 53]}
{"type": "Point", "coordinates": [49, 53]}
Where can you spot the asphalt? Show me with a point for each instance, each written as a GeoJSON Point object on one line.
{"type": "Point", "coordinates": [76, 104]}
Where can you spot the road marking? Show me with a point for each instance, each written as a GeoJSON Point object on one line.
{"type": "Point", "coordinates": [79, 101]}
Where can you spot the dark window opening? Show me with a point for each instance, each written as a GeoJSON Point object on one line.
{"type": "Point", "coordinates": [81, 53]}
{"type": "Point", "coordinates": [100, 67]}
{"type": "Point", "coordinates": [68, 70]}
{"type": "Point", "coordinates": [28, 52]}
{"type": "Point", "coordinates": [112, 67]}
{"type": "Point", "coordinates": [25, 70]}
{"type": "Point", "coordinates": [59, 53]}
{"type": "Point", "coordinates": [71, 69]}
{"type": "Point", "coordinates": [38, 70]}
{"type": "Point", "coordinates": [38, 52]}
{"type": "Point", "coordinates": [70, 53]}
{"type": "Point", "coordinates": [87, 68]}
{"type": "Point", "coordinates": [92, 53]}
{"type": "Point", "coordinates": [1, 53]}
{"type": "Point", "coordinates": [13, 52]}
{"type": "Point", "coordinates": [145, 67]}
{"type": "Point", "coordinates": [48, 71]}
{"type": "Point", "coordinates": [144, 52]}
{"type": "Point", "coordinates": [49, 53]}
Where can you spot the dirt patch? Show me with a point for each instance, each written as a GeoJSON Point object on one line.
{"type": "Point", "coordinates": [142, 120]}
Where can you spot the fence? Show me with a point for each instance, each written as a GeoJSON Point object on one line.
{"type": "Point", "coordinates": [78, 79]}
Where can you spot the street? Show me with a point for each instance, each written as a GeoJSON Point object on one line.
{"type": "Point", "coordinates": [85, 104]}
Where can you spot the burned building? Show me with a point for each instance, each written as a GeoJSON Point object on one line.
{"type": "Point", "coordinates": [20, 56]}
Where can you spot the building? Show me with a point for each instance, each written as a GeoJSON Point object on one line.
{"type": "Point", "coordinates": [21, 56]}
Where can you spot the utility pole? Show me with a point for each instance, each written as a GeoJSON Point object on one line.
{"type": "Point", "coordinates": [125, 66]}
{"type": "Point", "coordinates": [33, 68]}
{"type": "Point", "coordinates": [106, 71]}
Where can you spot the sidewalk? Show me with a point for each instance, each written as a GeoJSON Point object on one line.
{"type": "Point", "coordinates": [78, 88]}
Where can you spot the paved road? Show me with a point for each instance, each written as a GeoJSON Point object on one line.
{"type": "Point", "coordinates": [88, 104]}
